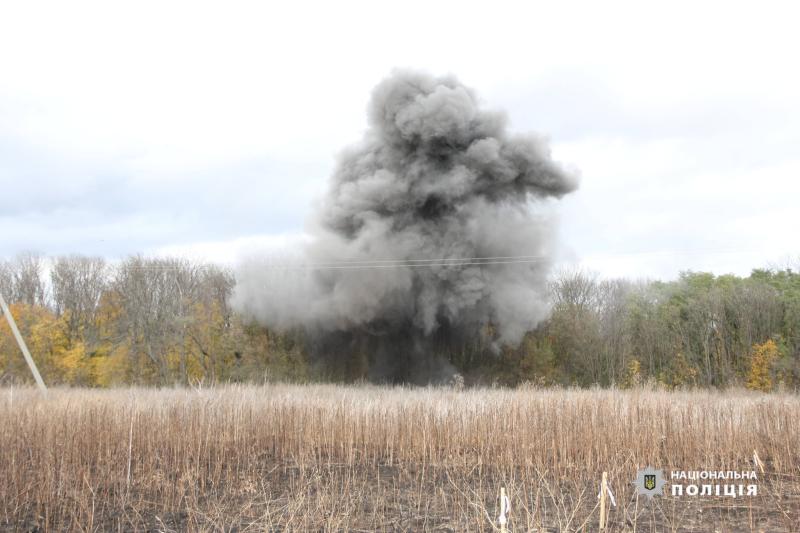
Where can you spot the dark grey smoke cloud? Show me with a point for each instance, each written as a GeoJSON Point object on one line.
{"type": "Point", "coordinates": [436, 181]}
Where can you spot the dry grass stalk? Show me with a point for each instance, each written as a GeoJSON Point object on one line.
{"type": "Point", "coordinates": [336, 458]}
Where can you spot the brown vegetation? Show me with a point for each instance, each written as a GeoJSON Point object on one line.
{"type": "Point", "coordinates": [368, 458]}
{"type": "Point", "coordinates": [155, 321]}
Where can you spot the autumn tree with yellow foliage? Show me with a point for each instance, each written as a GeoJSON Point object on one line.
{"type": "Point", "coordinates": [167, 321]}
{"type": "Point", "coordinates": [762, 360]}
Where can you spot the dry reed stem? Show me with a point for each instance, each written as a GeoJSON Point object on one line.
{"type": "Point", "coordinates": [338, 458]}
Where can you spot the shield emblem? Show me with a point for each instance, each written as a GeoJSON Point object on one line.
{"type": "Point", "coordinates": [650, 481]}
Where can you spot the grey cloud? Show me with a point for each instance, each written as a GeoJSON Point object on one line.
{"type": "Point", "coordinates": [59, 204]}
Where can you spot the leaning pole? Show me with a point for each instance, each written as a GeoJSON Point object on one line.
{"type": "Point", "coordinates": [22, 346]}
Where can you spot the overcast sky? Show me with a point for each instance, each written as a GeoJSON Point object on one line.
{"type": "Point", "coordinates": [211, 129]}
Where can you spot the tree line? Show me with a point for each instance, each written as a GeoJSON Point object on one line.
{"type": "Point", "coordinates": [700, 330]}
{"type": "Point", "coordinates": [162, 321]}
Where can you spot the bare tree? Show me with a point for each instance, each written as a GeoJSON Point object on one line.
{"type": "Point", "coordinates": [78, 284]}
{"type": "Point", "coordinates": [6, 280]}
{"type": "Point", "coordinates": [144, 298]}
{"type": "Point", "coordinates": [22, 281]}
{"type": "Point", "coordinates": [613, 310]}
{"type": "Point", "coordinates": [575, 288]}
{"type": "Point", "coordinates": [575, 323]}
{"type": "Point", "coordinates": [210, 331]}
{"type": "Point", "coordinates": [158, 296]}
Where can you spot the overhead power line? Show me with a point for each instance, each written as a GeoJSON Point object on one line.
{"type": "Point", "coordinates": [380, 263]}
{"type": "Point", "coordinates": [406, 264]}
{"type": "Point", "coordinates": [441, 260]}
{"type": "Point", "coordinates": [426, 262]}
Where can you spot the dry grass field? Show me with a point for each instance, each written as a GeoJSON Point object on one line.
{"type": "Point", "coordinates": [369, 458]}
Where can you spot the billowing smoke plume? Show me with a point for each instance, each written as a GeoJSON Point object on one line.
{"type": "Point", "coordinates": [430, 236]}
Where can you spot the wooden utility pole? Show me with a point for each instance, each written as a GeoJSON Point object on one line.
{"type": "Point", "coordinates": [22, 346]}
